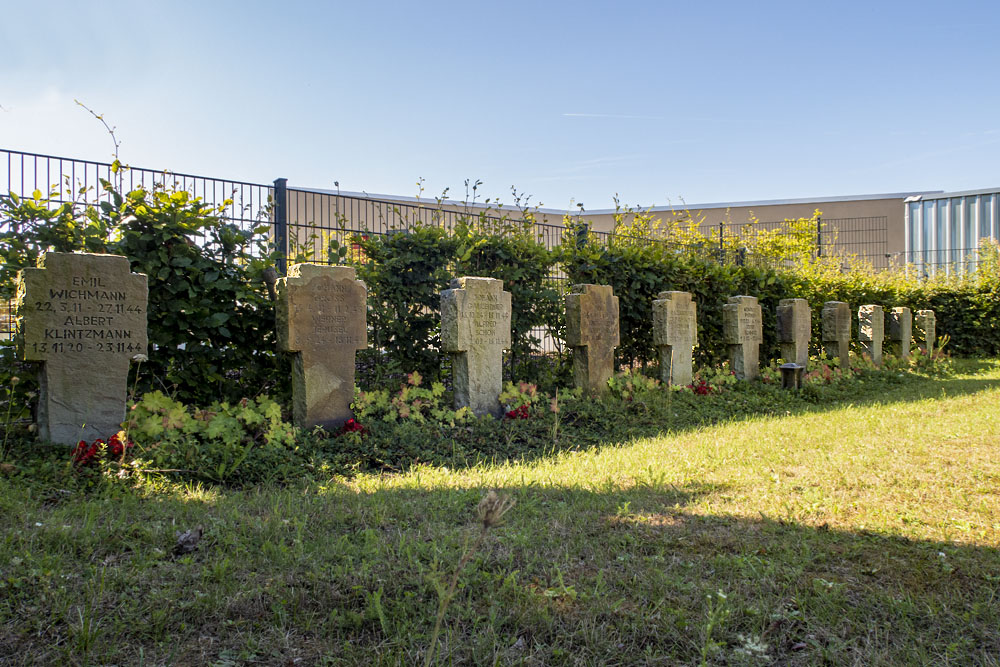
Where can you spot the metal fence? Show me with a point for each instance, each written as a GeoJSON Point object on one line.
{"type": "Point", "coordinates": [64, 180]}
{"type": "Point", "coordinates": [306, 224]}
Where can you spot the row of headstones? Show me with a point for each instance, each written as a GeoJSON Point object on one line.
{"type": "Point", "coordinates": [322, 318]}
{"type": "Point", "coordinates": [84, 317]}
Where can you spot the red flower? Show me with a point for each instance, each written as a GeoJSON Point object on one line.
{"type": "Point", "coordinates": [352, 426]}
{"type": "Point", "coordinates": [115, 448]}
{"type": "Point", "coordinates": [518, 413]}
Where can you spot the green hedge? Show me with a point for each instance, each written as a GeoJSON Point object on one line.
{"type": "Point", "coordinates": [968, 311]}
{"type": "Point", "coordinates": [211, 321]}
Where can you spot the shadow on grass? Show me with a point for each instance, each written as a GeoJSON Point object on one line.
{"type": "Point", "coordinates": [614, 575]}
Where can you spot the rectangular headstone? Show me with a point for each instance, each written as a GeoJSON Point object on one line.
{"type": "Point", "coordinates": [794, 330]}
{"type": "Point", "coordinates": [592, 332]}
{"type": "Point", "coordinates": [871, 331]}
{"type": "Point", "coordinates": [475, 329]}
{"type": "Point", "coordinates": [84, 317]}
{"type": "Point", "coordinates": [900, 331]}
{"type": "Point", "coordinates": [675, 333]}
{"type": "Point", "coordinates": [837, 331]}
{"type": "Point", "coordinates": [925, 328]}
{"type": "Point", "coordinates": [743, 328]}
{"type": "Point", "coordinates": [321, 317]}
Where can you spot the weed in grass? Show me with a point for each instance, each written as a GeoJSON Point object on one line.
{"type": "Point", "coordinates": [491, 510]}
{"type": "Point", "coordinates": [718, 612]}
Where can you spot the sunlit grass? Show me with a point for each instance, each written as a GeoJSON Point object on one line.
{"type": "Point", "coordinates": [864, 534]}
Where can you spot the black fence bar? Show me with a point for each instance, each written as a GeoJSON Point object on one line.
{"type": "Point", "coordinates": [280, 223]}
{"type": "Point", "coordinates": [303, 224]}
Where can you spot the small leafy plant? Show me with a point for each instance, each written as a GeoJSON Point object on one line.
{"type": "Point", "coordinates": [246, 441]}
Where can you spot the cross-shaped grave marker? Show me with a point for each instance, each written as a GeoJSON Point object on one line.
{"type": "Point", "coordinates": [592, 332]}
{"type": "Point", "coordinates": [925, 325]}
{"type": "Point", "coordinates": [901, 331]}
{"type": "Point", "coordinates": [794, 330]}
{"type": "Point", "coordinates": [475, 329]}
{"type": "Point", "coordinates": [321, 317]}
{"type": "Point", "coordinates": [675, 333]}
{"type": "Point", "coordinates": [871, 331]}
{"type": "Point", "coordinates": [837, 331]}
{"type": "Point", "coordinates": [744, 332]}
{"type": "Point", "coordinates": [84, 317]}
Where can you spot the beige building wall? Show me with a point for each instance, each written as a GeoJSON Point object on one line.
{"type": "Point", "coordinates": [857, 222]}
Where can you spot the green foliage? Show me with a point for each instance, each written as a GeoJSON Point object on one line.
{"type": "Point", "coordinates": [411, 403]}
{"type": "Point", "coordinates": [513, 255]}
{"type": "Point", "coordinates": [241, 443]}
{"type": "Point", "coordinates": [633, 385]}
{"type": "Point", "coordinates": [33, 226]}
{"type": "Point", "coordinates": [211, 324]}
{"type": "Point", "coordinates": [406, 273]}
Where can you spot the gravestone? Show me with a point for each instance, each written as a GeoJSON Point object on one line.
{"type": "Point", "coordinates": [592, 332]}
{"type": "Point", "coordinates": [744, 332]}
{"type": "Point", "coordinates": [925, 326]}
{"type": "Point", "coordinates": [675, 333]}
{"type": "Point", "coordinates": [475, 329]}
{"type": "Point", "coordinates": [871, 331]}
{"type": "Point", "coordinates": [837, 331]}
{"type": "Point", "coordinates": [794, 330]}
{"type": "Point", "coordinates": [84, 317]}
{"type": "Point", "coordinates": [900, 331]}
{"type": "Point", "coordinates": [321, 317]}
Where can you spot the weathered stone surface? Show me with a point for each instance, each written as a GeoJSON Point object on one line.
{"type": "Point", "coordinates": [900, 331]}
{"type": "Point", "coordinates": [321, 316]}
{"type": "Point", "coordinates": [925, 328]}
{"type": "Point", "coordinates": [475, 329]}
{"type": "Point", "coordinates": [794, 330]}
{"type": "Point", "coordinates": [871, 331]}
{"type": "Point", "coordinates": [675, 333]}
{"type": "Point", "coordinates": [837, 331]}
{"type": "Point", "coordinates": [84, 317]}
{"type": "Point", "coordinates": [743, 330]}
{"type": "Point", "coordinates": [592, 332]}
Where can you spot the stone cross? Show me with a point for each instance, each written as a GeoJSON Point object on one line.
{"type": "Point", "coordinates": [794, 330]}
{"type": "Point", "coordinates": [84, 317]}
{"type": "Point", "coordinates": [925, 324]}
{"type": "Point", "coordinates": [900, 331]}
{"type": "Point", "coordinates": [475, 329]}
{"type": "Point", "coordinates": [592, 332]}
{"type": "Point", "coordinates": [871, 331]}
{"type": "Point", "coordinates": [675, 333]}
{"type": "Point", "coordinates": [321, 317]}
{"type": "Point", "coordinates": [837, 331]}
{"type": "Point", "coordinates": [742, 325]}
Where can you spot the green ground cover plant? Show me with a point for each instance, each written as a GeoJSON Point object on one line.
{"type": "Point", "coordinates": [863, 529]}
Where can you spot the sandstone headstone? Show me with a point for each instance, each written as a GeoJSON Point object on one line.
{"type": "Point", "coordinates": [321, 316]}
{"type": "Point", "coordinates": [794, 330]}
{"type": "Point", "coordinates": [925, 326]}
{"type": "Point", "coordinates": [871, 331]}
{"type": "Point", "coordinates": [475, 329]}
{"type": "Point", "coordinates": [592, 332]}
{"type": "Point", "coordinates": [837, 331]}
{"type": "Point", "coordinates": [900, 331]}
{"type": "Point", "coordinates": [742, 325]}
{"type": "Point", "coordinates": [84, 317]}
{"type": "Point", "coordinates": [675, 333]}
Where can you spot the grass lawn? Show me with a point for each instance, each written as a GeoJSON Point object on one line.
{"type": "Point", "coordinates": [864, 533]}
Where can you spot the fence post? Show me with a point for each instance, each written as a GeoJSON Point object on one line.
{"type": "Point", "coordinates": [281, 223]}
{"type": "Point", "coordinates": [819, 236]}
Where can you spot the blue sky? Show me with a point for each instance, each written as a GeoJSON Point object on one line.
{"type": "Point", "coordinates": [570, 102]}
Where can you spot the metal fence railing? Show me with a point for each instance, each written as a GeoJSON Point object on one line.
{"type": "Point", "coordinates": [303, 223]}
